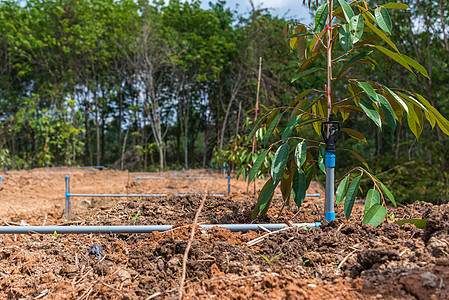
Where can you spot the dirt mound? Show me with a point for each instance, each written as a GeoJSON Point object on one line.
{"type": "Point", "coordinates": [341, 259]}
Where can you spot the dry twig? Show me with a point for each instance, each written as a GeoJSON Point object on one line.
{"type": "Point", "coordinates": [189, 244]}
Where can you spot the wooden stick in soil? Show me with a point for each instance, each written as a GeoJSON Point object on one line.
{"type": "Point", "coordinates": [255, 118]}
{"type": "Point", "coordinates": [189, 244]}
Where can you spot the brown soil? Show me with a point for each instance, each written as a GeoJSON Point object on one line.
{"type": "Point", "coordinates": [339, 260]}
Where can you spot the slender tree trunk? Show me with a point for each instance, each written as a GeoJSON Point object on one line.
{"type": "Point", "coordinates": [120, 111]}
{"type": "Point", "coordinates": [97, 127]}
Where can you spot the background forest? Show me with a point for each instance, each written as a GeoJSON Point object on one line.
{"type": "Point", "coordinates": [145, 86]}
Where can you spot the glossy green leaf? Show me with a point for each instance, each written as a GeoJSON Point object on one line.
{"type": "Point", "coordinates": [358, 157]}
{"type": "Point", "coordinates": [383, 19]}
{"type": "Point", "coordinates": [369, 90]}
{"type": "Point", "coordinates": [256, 127]}
{"type": "Point", "coordinates": [394, 56]}
{"type": "Point", "coordinates": [299, 186]}
{"type": "Point", "coordinates": [341, 190]}
{"type": "Point", "coordinates": [347, 10]}
{"type": "Point", "coordinates": [354, 134]}
{"type": "Point", "coordinates": [321, 18]}
{"type": "Point", "coordinates": [350, 196]}
{"type": "Point", "coordinates": [301, 46]}
{"type": "Point", "coordinates": [397, 98]}
{"type": "Point", "coordinates": [419, 223]}
{"type": "Point", "coordinates": [372, 197]}
{"type": "Point", "coordinates": [356, 27]}
{"type": "Point", "coordinates": [279, 162]}
{"type": "Point", "coordinates": [266, 199]}
{"type": "Point", "coordinates": [370, 112]}
{"type": "Point", "coordinates": [300, 154]}
{"type": "Point", "coordinates": [310, 173]}
{"type": "Point", "coordinates": [375, 215]}
{"type": "Point", "coordinates": [345, 37]}
{"type": "Point", "coordinates": [443, 123]}
{"type": "Point", "coordinates": [305, 73]}
{"type": "Point", "coordinates": [262, 193]}
{"type": "Point", "coordinates": [380, 33]}
{"type": "Point", "coordinates": [286, 184]}
{"type": "Point", "coordinates": [395, 6]}
{"type": "Point", "coordinates": [270, 129]}
{"type": "Point", "coordinates": [289, 128]}
{"type": "Point", "coordinates": [354, 60]}
{"type": "Point", "coordinates": [415, 65]}
{"type": "Point", "coordinates": [257, 165]}
{"type": "Point", "coordinates": [388, 112]}
{"type": "Point", "coordinates": [300, 96]}
{"type": "Point", "coordinates": [321, 156]}
{"type": "Point", "coordinates": [388, 193]}
{"type": "Point", "coordinates": [414, 119]}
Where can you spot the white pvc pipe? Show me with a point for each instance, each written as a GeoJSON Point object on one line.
{"type": "Point", "coordinates": [137, 228]}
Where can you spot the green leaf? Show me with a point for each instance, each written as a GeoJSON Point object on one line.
{"type": "Point", "coordinates": [341, 190]}
{"type": "Point", "coordinates": [279, 162]}
{"type": "Point", "coordinates": [383, 19]}
{"type": "Point", "coordinates": [419, 223]}
{"type": "Point", "coordinates": [310, 173]}
{"type": "Point", "coordinates": [443, 123]}
{"type": "Point", "coordinates": [321, 18]}
{"type": "Point", "coordinates": [415, 65]}
{"type": "Point", "coordinates": [370, 112]}
{"type": "Point", "coordinates": [388, 112]}
{"type": "Point", "coordinates": [289, 128]}
{"type": "Point", "coordinates": [300, 154]}
{"type": "Point", "coordinates": [388, 193]}
{"type": "Point", "coordinates": [358, 157]}
{"type": "Point", "coordinates": [395, 56]}
{"type": "Point", "coordinates": [414, 119]}
{"type": "Point", "coordinates": [321, 159]}
{"type": "Point", "coordinates": [263, 197]}
{"type": "Point", "coordinates": [257, 164]}
{"type": "Point", "coordinates": [299, 186]}
{"type": "Point", "coordinates": [354, 60]}
{"type": "Point", "coordinates": [350, 196]}
{"type": "Point", "coordinates": [305, 73]}
{"type": "Point", "coordinates": [369, 90]}
{"type": "Point", "coordinates": [379, 33]}
{"type": "Point", "coordinates": [372, 197]}
{"type": "Point", "coordinates": [356, 27]}
{"type": "Point", "coordinates": [354, 134]}
{"type": "Point", "coordinates": [286, 184]}
{"type": "Point", "coordinates": [345, 37]}
{"type": "Point", "coordinates": [256, 127]}
{"type": "Point", "coordinates": [270, 129]}
{"type": "Point", "coordinates": [397, 98]}
{"type": "Point", "coordinates": [375, 215]}
{"type": "Point", "coordinates": [347, 10]}
{"type": "Point", "coordinates": [395, 6]}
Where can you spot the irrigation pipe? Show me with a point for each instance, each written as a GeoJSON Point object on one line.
{"type": "Point", "coordinates": [45, 173]}
{"type": "Point", "coordinates": [137, 228]}
{"type": "Point", "coordinates": [178, 178]}
{"type": "Point", "coordinates": [93, 167]}
{"type": "Point", "coordinates": [68, 196]}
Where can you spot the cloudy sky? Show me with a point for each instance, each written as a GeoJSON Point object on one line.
{"type": "Point", "coordinates": [291, 9]}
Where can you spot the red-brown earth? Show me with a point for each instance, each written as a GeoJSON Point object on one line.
{"type": "Point", "coordinates": [338, 260]}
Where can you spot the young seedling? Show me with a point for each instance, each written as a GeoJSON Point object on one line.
{"type": "Point", "coordinates": [269, 261]}
{"type": "Point", "coordinates": [303, 262]}
{"type": "Point", "coordinates": [55, 234]}
{"type": "Point", "coordinates": [135, 217]}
